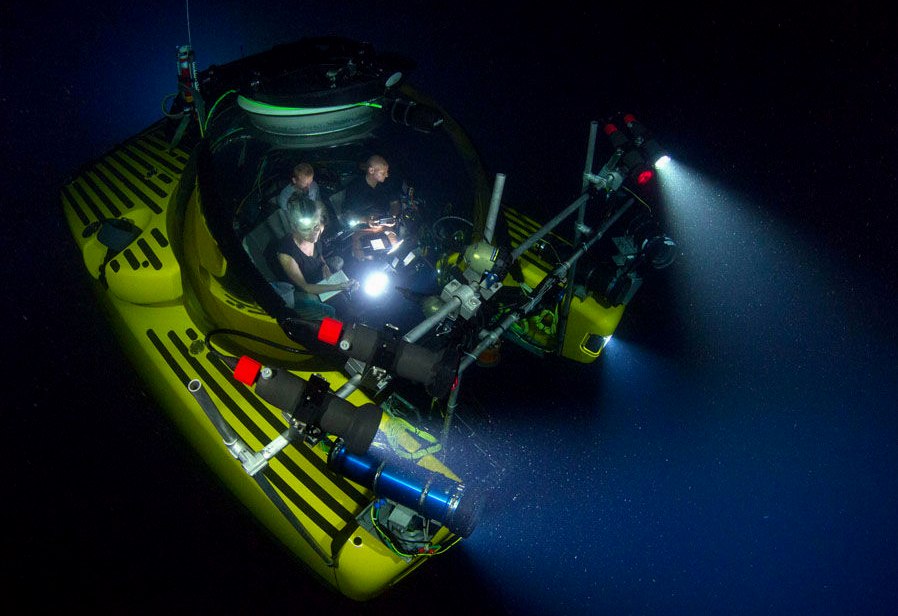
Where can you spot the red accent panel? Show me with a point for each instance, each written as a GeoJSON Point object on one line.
{"type": "Point", "coordinates": [330, 330]}
{"type": "Point", "coordinates": [247, 370]}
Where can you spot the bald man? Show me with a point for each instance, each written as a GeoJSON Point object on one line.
{"type": "Point", "coordinates": [369, 197]}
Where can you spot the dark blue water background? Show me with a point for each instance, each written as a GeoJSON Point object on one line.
{"type": "Point", "coordinates": [733, 451]}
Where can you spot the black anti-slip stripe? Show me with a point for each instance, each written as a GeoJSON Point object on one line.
{"type": "Point", "coordinates": [104, 169]}
{"type": "Point", "coordinates": [157, 234]}
{"type": "Point", "coordinates": [120, 157]}
{"type": "Point", "coordinates": [111, 207]}
{"type": "Point", "coordinates": [154, 141]}
{"type": "Point", "coordinates": [109, 183]}
{"type": "Point", "coordinates": [142, 150]}
{"type": "Point", "coordinates": [151, 256]}
{"type": "Point", "coordinates": [68, 193]}
{"type": "Point", "coordinates": [90, 203]}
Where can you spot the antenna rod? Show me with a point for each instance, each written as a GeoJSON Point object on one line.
{"type": "Point", "coordinates": [187, 6]}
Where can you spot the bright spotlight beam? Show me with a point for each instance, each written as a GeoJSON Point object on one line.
{"type": "Point", "coordinates": [376, 283]}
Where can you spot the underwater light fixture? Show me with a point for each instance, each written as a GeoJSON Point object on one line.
{"type": "Point", "coordinates": [639, 132]}
{"type": "Point", "coordinates": [657, 160]}
{"type": "Point", "coordinates": [436, 370]}
{"type": "Point", "coordinates": [617, 138]}
{"type": "Point", "coordinates": [631, 161]}
{"type": "Point", "coordinates": [309, 403]}
{"type": "Point", "coordinates": [653, 152]}
{"type": "Point", "coordinates": [376, 283]}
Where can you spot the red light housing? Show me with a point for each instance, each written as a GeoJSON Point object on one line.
{"type": "Point", "coordinates": [645, 176]}
{"type": "Point", "coordinates": [617, 138]}
{"type": "Point", "coordinates": [247, 370]}
{"type": "Point", "coordinates": [329, 331]}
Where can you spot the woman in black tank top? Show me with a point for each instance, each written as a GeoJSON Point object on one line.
{"type": "Point", "coordinates": [299, 256]}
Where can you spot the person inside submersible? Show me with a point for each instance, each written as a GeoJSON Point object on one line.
{"type": "Point", "coordinates": [316, 289]}
{"type": "Point", "coordinates": [375, 204]}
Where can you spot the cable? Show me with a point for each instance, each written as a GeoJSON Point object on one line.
{"type": "Point", "coordinates": [212, 110]}
{"type": "Point", "coordinates": [390, 540]}
{"type": "Point", "coordinates": [166, 113]}
{"type": "Point", "coordinates": [555, 252]}
{"type": "Point", "coordinates": [638, 198]}
{"type": "Point", "coordinates": [382, 532]}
